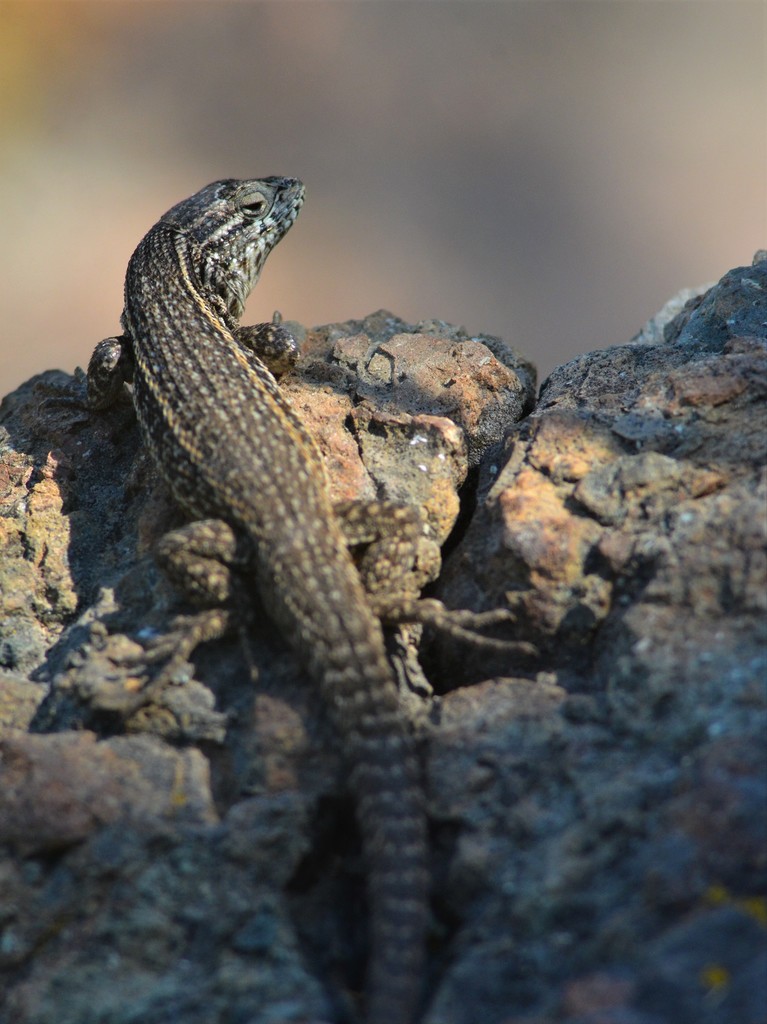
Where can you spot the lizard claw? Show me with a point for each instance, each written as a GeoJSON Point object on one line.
{"type": "Point", "coordinates": [460, 624]}
{"type": "Point", "coordinates": [65, 395]}
{"type": "Point", "coordinates": [175, 648]}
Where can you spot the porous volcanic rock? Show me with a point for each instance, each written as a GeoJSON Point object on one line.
{"type": "Point", "coordinates": [597, 809]}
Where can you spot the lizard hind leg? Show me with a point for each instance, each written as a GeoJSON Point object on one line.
{"type": "Point", "coordinates": [201, 560]}
{"type": "Point", "coordinates": [398, 559]}
{"type": "Point", "coordinates": [393, 553]}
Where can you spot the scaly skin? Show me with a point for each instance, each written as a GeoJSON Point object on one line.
{"type": "Point", "coordinates": [231, 448]}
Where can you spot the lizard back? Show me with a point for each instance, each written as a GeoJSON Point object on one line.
{"type": "Point", "coordinates": [231, 446]}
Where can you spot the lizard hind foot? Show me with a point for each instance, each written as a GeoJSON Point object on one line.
{"type": "Point", "coordinates": [175, 648]}
{"type": "Point", "coordinates": [459, 624]}
{"type": "Point", "coordinates": [201, 560]}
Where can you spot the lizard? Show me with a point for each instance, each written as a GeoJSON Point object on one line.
{"type": "Point", "coordinates": [239, 461]}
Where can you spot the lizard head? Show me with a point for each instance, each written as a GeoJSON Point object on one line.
{"type": "Point", "coordinates": [236, 225]}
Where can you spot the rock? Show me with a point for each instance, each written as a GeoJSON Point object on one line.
{"type": "Point", "coordinates": [56, 791]}
{"type": "Point", "coordinates": [596, 811]}
{"type": "Point", "coordinates": [641, 468]}
{"type": "Point", "coordinates": [653, 332]}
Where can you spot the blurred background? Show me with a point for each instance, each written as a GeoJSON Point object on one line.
{"type": "Point", "coordinates": [550, 172]}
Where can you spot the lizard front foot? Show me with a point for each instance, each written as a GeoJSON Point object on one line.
{"type": "Point", "coordinates": [272, 343]}
{"type": "Point", "coordinates": [110, 367]}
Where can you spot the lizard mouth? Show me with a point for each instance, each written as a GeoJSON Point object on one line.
{"type": "Point", "coordinates": [236, 284]}
{"type": "Point", "coordinates": [290, 199]}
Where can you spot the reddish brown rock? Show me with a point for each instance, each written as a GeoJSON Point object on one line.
{"type": "Point", "coordinates": [596, 812]}
{"type": "Point", "coordinates": [56, 791]}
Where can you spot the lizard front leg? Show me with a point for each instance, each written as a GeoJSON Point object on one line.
{"type": "Point", "coordinates": [274, 345]}
{"type": "Point", "coordinates": [110, 367]}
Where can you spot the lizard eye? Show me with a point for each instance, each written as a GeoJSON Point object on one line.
{"type": "Point", "coordinates": [253, 203]}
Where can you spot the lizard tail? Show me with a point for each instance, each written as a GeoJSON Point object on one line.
{"type": "Point", "coordinates": [392, 822]}
{"type": "Point", "coordinates": [391, 815]}
{"type": "Point", "coordinates": [346, 654]}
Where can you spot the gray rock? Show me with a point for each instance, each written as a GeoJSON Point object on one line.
{"type": "Point", "coordinates": [596, 812]}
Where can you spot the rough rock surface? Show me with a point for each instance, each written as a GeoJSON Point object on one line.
{"type": "Point", "coordinates": [597, 814]}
